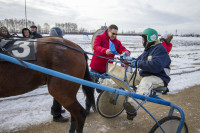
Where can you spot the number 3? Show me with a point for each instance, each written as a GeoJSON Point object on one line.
{"type": "Point", "coordinates": [26, 49]}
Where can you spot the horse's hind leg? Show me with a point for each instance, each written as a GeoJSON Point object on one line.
{"type": "Point", "coordinates": [78, 116]}
{"type": "Point", "coordinates": [65, 93]}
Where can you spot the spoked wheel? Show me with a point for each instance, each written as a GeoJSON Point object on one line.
{"type": "Point", "coordinates": [170, 125]}
{"type": "Point", "coordinates": [110, 105]}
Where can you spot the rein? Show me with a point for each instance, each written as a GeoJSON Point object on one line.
{"type": "Point", "coordinates": [60, 43]}
{"type": "Point", "coordinates": [82, 51]}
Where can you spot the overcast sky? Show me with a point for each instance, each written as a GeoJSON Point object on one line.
{"type": "Point", "coordinates": [128, 15]}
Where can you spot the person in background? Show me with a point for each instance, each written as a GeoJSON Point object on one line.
{"type": "Point", "coordinates": [56, 31]}
{"type": "Point", "coordinates": [56, 109]}
{"type": "Point", "coordinates": [4, 33]}
{"type": "Point", "coordinates": [154, 66]}
{"type": "Point", "coordinates": [106, 45]}
{"type": "Point", "coordinates": [34, 33]}
{"type": "Point", "coordinates": [166, 41]}
{"type": "Point", "coordinates": [26, 33]}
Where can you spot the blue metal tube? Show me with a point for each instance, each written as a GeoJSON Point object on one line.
{"type": "Point", "coordinates": [182, 117]}
{"type": "Point", "coordinates": [84, 82]}
{"type": "Point", "coordinates": [81, 81]}
{"type": "Point", "coordinates": [150, 99]}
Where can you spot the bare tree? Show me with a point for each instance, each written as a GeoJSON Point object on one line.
{"type": "Point", "coordinates": [39, 29]}
{"type": "Point", "coordinates": [68, 27]}
{"type": "Point", "coordinates": [46, 28]}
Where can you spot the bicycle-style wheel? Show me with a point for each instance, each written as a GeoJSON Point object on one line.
{"type": "Point", "coordinates": [108, 106]}
{"type": "Point", "coordinates": [170, 125]}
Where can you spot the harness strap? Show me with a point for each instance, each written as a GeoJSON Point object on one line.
{"type": "Point", "coordinates": [63, 44]}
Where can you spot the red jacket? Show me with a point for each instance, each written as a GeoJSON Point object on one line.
{"type": "Point", "coordinates": [101, 44]}
{"type": "Point", "coordinates": [167, 46]}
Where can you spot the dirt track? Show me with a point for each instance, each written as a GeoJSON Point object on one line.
{"type": "Point", "coordinates": [188, 100]}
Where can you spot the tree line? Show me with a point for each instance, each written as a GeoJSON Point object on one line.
{"type": "Point", "coordinates": [16, 26]}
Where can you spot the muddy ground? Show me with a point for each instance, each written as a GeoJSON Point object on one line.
{"type": "Point", "coordinates": [188, 100]}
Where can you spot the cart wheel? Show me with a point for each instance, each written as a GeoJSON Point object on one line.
{"type": "Point", "coordinates": [107, 106]}
{"type": "Point", "coordinates": [170, 125]}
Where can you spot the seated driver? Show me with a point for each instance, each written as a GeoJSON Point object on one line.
{"type": "Point", "coordinates": [154, 67]}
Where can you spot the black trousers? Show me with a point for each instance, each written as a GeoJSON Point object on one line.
{"type": "Point", "coordinates": [95, 80]}
{"type": "Point", "coordinates": [56, 108]}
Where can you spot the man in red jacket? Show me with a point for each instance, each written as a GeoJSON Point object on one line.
{"type": "Point", "coordinates": [102, 47]}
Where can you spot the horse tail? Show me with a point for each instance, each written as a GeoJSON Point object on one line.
{"type": "Point", "coordinates": [89, 91]}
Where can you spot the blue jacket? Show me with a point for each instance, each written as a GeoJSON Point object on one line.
{"type": "Point", "coordinates": [153, 61]}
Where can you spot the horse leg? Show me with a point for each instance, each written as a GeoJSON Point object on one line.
{"type": "Point", "coordinates": [73, 125]}
{"type": "Point", "coordinates": [65, 93]}
{"type": "Point", "coordinates": [78, 116]}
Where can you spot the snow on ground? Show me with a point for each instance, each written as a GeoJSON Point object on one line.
{"type": "Point", "coordinates": [33, 108]}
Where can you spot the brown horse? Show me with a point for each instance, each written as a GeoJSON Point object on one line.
{"type": "Point", "coordinates": [15, 80]}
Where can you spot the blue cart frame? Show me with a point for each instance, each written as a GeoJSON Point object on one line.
{"type": "Point", "coordinates": [105, 88]}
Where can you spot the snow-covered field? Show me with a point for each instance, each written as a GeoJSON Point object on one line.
{"type": "Point", "coordinates": [33, 108]}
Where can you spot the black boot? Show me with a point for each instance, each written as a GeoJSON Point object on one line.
{"type": "Point", "coordinates": [60, 118]}
{"type": "Point", "coordinates": [130, 110]}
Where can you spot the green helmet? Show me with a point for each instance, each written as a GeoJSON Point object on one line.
{"type": "Point", "coordinates": [152, 34]}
